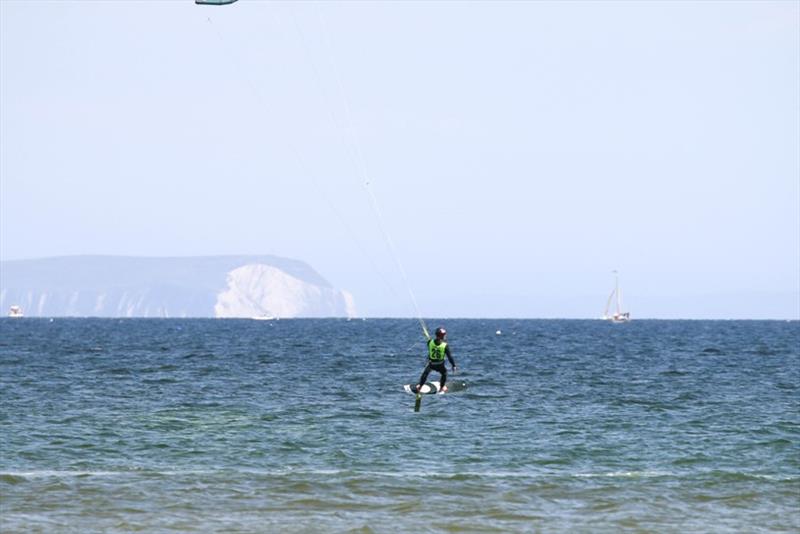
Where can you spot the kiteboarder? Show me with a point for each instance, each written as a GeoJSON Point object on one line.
{"type": "Point", "coordinates": [438, 349]}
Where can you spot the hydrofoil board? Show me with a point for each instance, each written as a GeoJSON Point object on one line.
{"type": "Point", "coordinates": [426, 389]}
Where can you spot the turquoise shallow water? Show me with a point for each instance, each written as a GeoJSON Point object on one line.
{"type": "Point", "coordinates": [302, 426]}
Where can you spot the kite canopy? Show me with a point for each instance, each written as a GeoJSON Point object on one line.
{"type": "Point", "coordinates": [213, 2]}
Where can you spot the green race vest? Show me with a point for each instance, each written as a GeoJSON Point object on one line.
{"type": "Point", "coordinates": [436, 352]}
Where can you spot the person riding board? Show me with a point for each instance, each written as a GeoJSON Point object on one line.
{"type": "Point", "coordinates": [438, 349]}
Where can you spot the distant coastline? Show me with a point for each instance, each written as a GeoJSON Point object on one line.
{"type": "Point", "coordinates": [207, 286]}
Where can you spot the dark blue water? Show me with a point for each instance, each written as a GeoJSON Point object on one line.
{"type": "Point", "coordinates": [303, 426]}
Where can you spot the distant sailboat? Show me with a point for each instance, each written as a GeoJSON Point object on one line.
{"type": "Point", "coordinates": [618, 316]}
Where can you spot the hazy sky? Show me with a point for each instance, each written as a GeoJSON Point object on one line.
{"type": "Point", "coordinates": [519, 152]}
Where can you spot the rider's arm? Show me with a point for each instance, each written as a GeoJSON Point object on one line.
{"type": "Point", "coordinates": [450, 356]}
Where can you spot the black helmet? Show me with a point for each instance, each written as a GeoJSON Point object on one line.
{"type": "Point", "coordinates": [441, 332]}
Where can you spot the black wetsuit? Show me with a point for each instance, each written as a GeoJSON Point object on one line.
{"type": "Point", "coordinates": [439, 367]}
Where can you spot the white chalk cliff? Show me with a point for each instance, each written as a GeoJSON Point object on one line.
{"type": "Point", "coordinates": [264, 291]}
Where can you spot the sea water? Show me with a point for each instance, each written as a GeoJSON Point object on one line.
{"type": "Point", "coordinates": [199, 425]}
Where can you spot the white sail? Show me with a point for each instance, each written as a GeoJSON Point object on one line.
{"type": "Point", "coordinates": [608, 304]}
{"type": "Point", "coordinates": [619, 316]}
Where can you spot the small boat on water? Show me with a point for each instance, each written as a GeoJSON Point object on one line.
{"type": "Point", "coordinates": [618, 316]}
{"type": "Point", "coordinates": [15, 311]}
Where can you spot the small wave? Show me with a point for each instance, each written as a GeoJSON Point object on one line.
{"type": "Point", "coordinates": [626, 474]}
{"type": "Point", "coordinates": [21, 476]}
{"type": "Point", "coordinates": [117, 371]}
{"type": "Point", "coordinates": [164, 380]}
{"type": "Point", "coordinates": [8, 478]}
{"type": "Point", "coordinates": [738, 476]}
{"type": "Point", "coordinates": [18, 477]}
{"type": "Point", "coordinates": [765, 351]}
{"type": "Point", "coordinates": [674, 372]}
